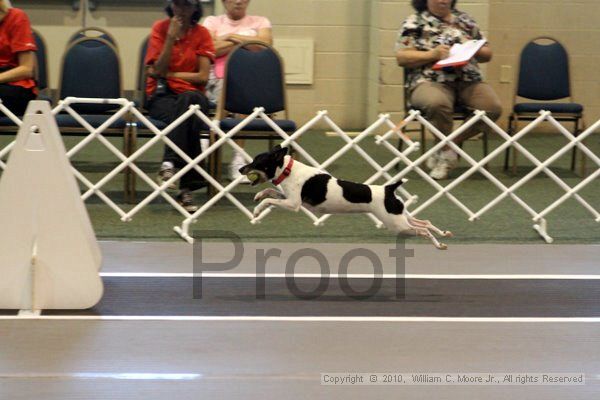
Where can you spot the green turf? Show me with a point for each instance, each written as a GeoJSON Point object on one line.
{"type": "Point", "coordinates": [505, 223]}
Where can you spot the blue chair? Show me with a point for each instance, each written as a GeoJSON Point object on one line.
{"type": "Point", "coordinates": [544, 77]}
{"type": "Point", "coordinates": [254, 77]}
{"type": "Point", "coordinates": [92, 71]}
{"type": "Point", "coordinates": [93, 32]}
{"type": "Point", "coordinates": [91, 68]}
{"type": "Point", "coordinates": [42, 65]}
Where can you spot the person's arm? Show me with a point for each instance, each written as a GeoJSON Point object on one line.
{"type": "Point", "coordinates": [25, 69]}
{"type": "Point", "coordinates": [161, 65]}
{"type": "Point", "coordinates": [413, 58]}
{"type": "Point", "coordinates": [199, 78]}
{"type": "Point", "coordinates": [484, 54]}
{"type": "Point", "coordinates": [265, 36]}
{"type": "Point", "coordinates": [225, 43]}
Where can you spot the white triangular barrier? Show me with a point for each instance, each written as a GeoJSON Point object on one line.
{"type": "Point", "coordinates": [49, 256]}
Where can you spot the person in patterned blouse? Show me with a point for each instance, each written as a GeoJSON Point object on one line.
{"type": "Point", "coordinates": [425, 38]}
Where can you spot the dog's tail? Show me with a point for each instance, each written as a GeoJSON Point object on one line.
{"type": "Point", "coordinates": [393, 186]}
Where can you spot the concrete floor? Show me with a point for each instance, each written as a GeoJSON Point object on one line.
{"type": "Point", "coordinates": [266, 357]}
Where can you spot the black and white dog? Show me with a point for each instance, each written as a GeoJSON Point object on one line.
{"type": "Point", "coordinates": [307, 186]}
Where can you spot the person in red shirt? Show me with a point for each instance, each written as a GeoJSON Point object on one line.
{"type": "Point", "coordinates": [17, 59]}
{"type": "Point", "coordinates": [178, 61]}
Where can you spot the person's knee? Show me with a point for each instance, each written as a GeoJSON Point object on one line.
{"type": "Point", "coordinates": [434, 105]}
{"type": "Point", "coordinates": [494, 110]}
{"type": "Point", "coordinates": [193, 97]}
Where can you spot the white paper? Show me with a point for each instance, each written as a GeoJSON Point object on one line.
{"type": "Point", "coordinates": [460, 53]}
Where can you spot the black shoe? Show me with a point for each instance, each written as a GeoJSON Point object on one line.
{"type": "Point", "coordinates": [186, 200]}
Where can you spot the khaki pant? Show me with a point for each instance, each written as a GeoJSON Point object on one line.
{"type": "Point", "coordinates": [436, 102]}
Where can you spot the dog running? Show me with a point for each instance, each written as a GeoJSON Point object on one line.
{"type": "Point", "coordinates": [318, 191]}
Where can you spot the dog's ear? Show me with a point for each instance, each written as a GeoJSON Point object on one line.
{"type": "Point", "coordinates": [279, 149]}
{"type": "Point", "coordinates": [280, 152]}
{"type": "Point", "coordinates": [283, 150]}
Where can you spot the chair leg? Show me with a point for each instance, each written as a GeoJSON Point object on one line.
{"type": "Point", "coordinates": [215, 159]}
{"type": "Point", "coordinates": [583, 165]}
{"type": "Point", "coordinates": [422, 140]}
{"type": "Point", "coordinates": [574, 155]}
{"type": "Point", "coordinates": [514, 155]}
{"type": "Point", "coordinates": [485, 149]}
{"type": "Point", "coordinates": [507, 152]}
{"type": "Point", "coordinates": [127, 173]}
{"type": "Point", "coordinates": [212, 165]}
{"type": "Point", "coordinates": [400, 147]}
{"type": "Point", "coordinates": [132, 180]}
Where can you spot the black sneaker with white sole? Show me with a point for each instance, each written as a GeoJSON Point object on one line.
{"type": "Point", "coordinates": [186, 200]}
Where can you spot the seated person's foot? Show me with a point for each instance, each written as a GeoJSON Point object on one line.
{"type": "Point", "coordinates": [234, 172]}
{"type": "Point", "coordinates": [166, 172]}
{"type": "Point", "coordinates": [432, 161]}
{"type": "Point", "coordinates": [446, 162]}
{"type": "Point", "coordinates": [186, 200]}
{"type": "Point", "coordinates": [204, 144]}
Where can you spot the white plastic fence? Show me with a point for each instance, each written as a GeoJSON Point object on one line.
{"type": "Point", "coordinates": [401, 163]}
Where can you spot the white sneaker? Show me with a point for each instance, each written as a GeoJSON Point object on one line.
{"type": "Point", "coordinates": [432, 161]}
{"type": "Point", "coordinates": [234, 173]}
{"type": "Point", "coordinates": [446, 162]}
{"type": "Point", "coordinates": [234, 168]}
{"type": "Point", "coordinates": [204, 143]}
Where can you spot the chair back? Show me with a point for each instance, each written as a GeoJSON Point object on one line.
{"type": "Point", "coordinates": [91, 71]}
{"type": "Point", "coordinates": [41, 60]}
{"type": "Point", "coordinates": [544, 70]}
{"type": "Point", "coordinates": [254, 77]}
{"type": "Point", "coordinates": [141, 72]}
{"type": "Point", "coordinates": [93, 32]}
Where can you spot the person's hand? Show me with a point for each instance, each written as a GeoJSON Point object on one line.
{"type": "Point", "coordinates": [175, 28]}
{"type": "Point", "coordinates": [151, 72]}
{"type": "Point", "coordinates": [233, 39]}
{"type": "Point", "coordinates": [440, 52]}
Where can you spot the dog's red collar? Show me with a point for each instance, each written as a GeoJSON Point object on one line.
{"type": "Point", "coordinates": [286, 172]}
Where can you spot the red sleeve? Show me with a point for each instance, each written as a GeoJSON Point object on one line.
{"type": "Point", "coordinates": [21, 37]}
{"type": "Point", "coordinates": [156, 43]}
{"type": "Point", "coordinates": [205, 46]}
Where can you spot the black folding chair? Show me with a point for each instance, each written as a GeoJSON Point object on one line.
{"type": "Point", "coordinates": [93, 32]}
{"type": "Point", "coordinates": [254, 77]}
{"type": "Point", "coordinates": [91, 68]}
{"type": "Point", "coordinates": [544, 77]}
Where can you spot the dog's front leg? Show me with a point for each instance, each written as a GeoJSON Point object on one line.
{"type": "Point", "coordinates": [269, 193]}
{"type": "Point", "coordinates": [288, 204]}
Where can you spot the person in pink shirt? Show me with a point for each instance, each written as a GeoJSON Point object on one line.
{"type": "Point", "coordinates": [228, 30]}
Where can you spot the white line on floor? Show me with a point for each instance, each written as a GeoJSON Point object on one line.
{"type": "Point", "coordinates": [348, 276]}
{"type": "Point", "coordinates": [302, 319]}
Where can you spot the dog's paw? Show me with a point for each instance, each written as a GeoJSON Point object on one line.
{"type": "Point", "coordinates": [448, 234]}
{"type": "Point", "coordinates": [443, 246]}
{"type": "Point", "coordinates": [257, 211]}
{"type": "Point", "coordinates": [259, 196]}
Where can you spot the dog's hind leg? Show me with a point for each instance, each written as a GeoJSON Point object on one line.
{"type": "Point", "coordinates": [403, 224]}
{"type": "Point", "coordinates": [428, 225]}
{"type": "Point", "coordinates": [425, 233]}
